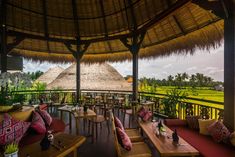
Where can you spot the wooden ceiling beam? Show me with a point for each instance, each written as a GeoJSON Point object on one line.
{"type": "Point", "coordinates": [178, 24]}
{"type": "Point", "coordinates": [103, 17]}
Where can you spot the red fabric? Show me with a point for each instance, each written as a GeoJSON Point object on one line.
{"type": "Point", "coordinates": [43, 107]}
{"type": "Point", "coordinates": [142, 112]}
{"type": "Point", "coordinates": [45, 116]}
{"type": "Point", "coordinates": [125, 141]}
{"type": "Point", "coordinates": [219, 132]}
{"type": "Point", "coordinates": [37, 123]}
{"type": "Point", "coordinates": [12, 130]}
{"type": "Point", "coordinates": [175, 122]}
{"type": "Point", "coordinates": [118, 123]}
{"type": "Point", "coordinates": [204, 144]}
{"type": "Point", "coordinates": [57, 125]}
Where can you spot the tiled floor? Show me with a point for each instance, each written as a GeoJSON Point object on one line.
{"type": "Point", "coordinates": [103, 146]}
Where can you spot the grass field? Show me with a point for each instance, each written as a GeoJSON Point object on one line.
{"type": "Point", "coordinates": [203, 93]}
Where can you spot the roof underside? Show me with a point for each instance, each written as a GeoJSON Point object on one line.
{"type": "Point", "coordinates": [44, 28]}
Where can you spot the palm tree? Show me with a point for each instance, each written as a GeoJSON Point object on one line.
{"type": "Point", "coordinates": [184, 77]}
{"type": "Point", "coordinates": [178, 79]}
{"type": "Point", "coordinates": [192, 80]}
{"type": "Point", "coordinates": [170, 79]}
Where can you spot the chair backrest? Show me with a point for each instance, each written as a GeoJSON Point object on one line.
{"type": "Point", "coordinates": [117, 146]}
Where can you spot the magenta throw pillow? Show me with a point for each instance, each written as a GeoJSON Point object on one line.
{"type": "Point", "coordinates": [46, 117]}
{"type": "Point", "coordinates": [142, 111]}
{"type": "Point", "coordinates": [38, 124]}
{"type": "Point", "coordinates": [219, 132]}
{"type": "Point", "coordinates": [124, 140]}
{"type": "Point", "coordinates": [147, 116]}
{"type": "Point", "coordinates": [12, 130]}
{"type": "Point", "coordinates": [118, 123]}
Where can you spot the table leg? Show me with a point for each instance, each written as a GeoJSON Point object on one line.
{"type": "Point", "coordinates": [70, 122]}
{"type": "Point", "coordinates": [61, 115]}
{"type": "Point", "coordinates": [93, 133]}
{"type": "Point", "coordinates": [75, 153]}
{"type": "Point", "coordinates": [77, 125]}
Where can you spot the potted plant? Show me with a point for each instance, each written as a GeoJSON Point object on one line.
{"type": "Point", "coordinates": [11, 150]}
{"type": "Point", "coordinates": [173, 98]}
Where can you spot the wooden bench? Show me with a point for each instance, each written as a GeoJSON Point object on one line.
{"type": "Point", "coordinates": [139, 149]}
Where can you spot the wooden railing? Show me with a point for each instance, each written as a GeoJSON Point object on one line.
{"type": "Point", "coordinates": [213, 110]}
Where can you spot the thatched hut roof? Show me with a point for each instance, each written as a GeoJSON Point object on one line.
{"type": "Point", "coordinates": [46, 27]}
{"type": "Point", "coordinates": [50, 75]}
{"type": "Point", "coordinates": [93, 77]}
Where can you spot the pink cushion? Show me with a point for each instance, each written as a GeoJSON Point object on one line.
{"type": "Point", "coordinates": [118, 123]}
{"type": "Point", "coordinates": [45, 116]}
{"type": "Point", "coordinates": [192, 122]}
{"type": "Point", "coordinates": [37, 123]}
{"type": "Point", "coordinates": [142, 112]}
{"type": "Point", "coordinates": [219, 132]}
{"type": "Point", "coordinates": [124, 141]}
{"type": "Point", "coordinates": [12, 130]}
{"type": "Point", "coordinates": [147, 116]}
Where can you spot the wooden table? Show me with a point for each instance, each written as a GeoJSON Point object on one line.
{"type": "Point", "coordinates": [70, 143]}
{"type": "Point", "coordinates": [77, 115]}
{"type": "Point", "coordinates": [165, 146]}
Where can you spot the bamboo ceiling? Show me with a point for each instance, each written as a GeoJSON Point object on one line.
{"type": "Point", "coordinates": [41, 29]}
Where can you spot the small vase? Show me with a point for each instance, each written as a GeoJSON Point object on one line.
{"type": "Point", "coordinates": [15, 154]}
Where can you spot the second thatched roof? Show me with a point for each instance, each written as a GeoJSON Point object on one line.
{"type": "Point", "coordinates": [93, 77]}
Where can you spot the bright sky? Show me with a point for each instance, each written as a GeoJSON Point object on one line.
{"type": "Point", "coordinates": [209, 63]}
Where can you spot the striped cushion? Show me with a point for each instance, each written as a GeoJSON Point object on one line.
{"type": "Point", "coordinates": [45, 116]}
{"type": "Point", "coordinates": [123, 139]}
{"type": "Point", "coordinates": [38, 124]}
{"type": "Point", "coordinates": [118, 123]}
{"type": "Point", "coordinates": [219, 132]}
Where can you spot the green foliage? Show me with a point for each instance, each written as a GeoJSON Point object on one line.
{"type": "Point", "coordinates": [11, 148]}
{"type": "Point", "coordinates": [35, 75]}
{"type": "Point", "coordinates": [173, 98]}
{"type": "Point", "coordinates": [38, 86]}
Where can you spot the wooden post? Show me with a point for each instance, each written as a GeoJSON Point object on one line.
{"type": "Point", "coordinates": [3, 38]}
{"type": "Point", "coordinates": [136, 41]}
{"type": "Point", "coordinates": [135, 73]}
{"type": "Point", "coordinates": [229, 66]}
{"type": "Point", "coordinates": [78, 78]}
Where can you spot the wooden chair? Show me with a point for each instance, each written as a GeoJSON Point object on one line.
{"type": "Point", "coordinates": [139, 149]}
{"type": "Point", "coordinates": [130, 112]}
{"type": "Point", "coordinates": [98, 120]}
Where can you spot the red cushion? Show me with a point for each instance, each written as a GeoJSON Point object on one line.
{"type": "Point", "coordinates": [118, 123]}
{"type": "Point", "coordinates": [175, 122]}
{"type": "Point", "coordinates": [45, 116]}
{"type": "Point", "coordinates": [204, 144]}
{"type": "Point", "coordinates": [142, 112]}
{"type": "Point", "coordinates": [57, 125]}
{"type": "Point", "coordinates": [37, 123]}
{"type": "Point", "coordinates": [124, 141]}
{"type": "Point", "coordinates": [219, 132]}
{"type": "Point", "coordinates": [43, 106]}
{"type": "Point", "coordinates": [12, 130]}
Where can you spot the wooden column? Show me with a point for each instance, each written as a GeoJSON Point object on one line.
{"type": "Point", "coordinates": [136, 41]}
{"type": "Point", "coordinates": [229, 66]}
{"type": "Point", "coordinates": [3, 36]}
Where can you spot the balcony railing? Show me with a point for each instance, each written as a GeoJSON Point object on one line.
{"type": "Point", "coordinates": [207, 109]}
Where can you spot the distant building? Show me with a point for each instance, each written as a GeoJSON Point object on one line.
{"type": "Point", "coordinates": [219, 87]}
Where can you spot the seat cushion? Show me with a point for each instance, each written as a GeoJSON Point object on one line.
{"type": "Point", "coordinates": [57, 125]}
{"type": "Point", "coordinates": [204, 144]}
{"type": "Point", "coordinates": [139, 149]}
{"type": "Point", "coordinates": [192, 122]}
{"type": "Point", "coordinates": [12, 130]}
{"type": "Point", "coordinates": [38, 124]}
{"type": "Point", "coordinates": [134, 135]}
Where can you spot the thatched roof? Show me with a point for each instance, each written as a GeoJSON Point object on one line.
{"type": "Point", "coordinates": [93, 77]}
{"type": "Point", "coordinates": [173, 26]}
{"type": "Point", "coordinates": [50, 75]}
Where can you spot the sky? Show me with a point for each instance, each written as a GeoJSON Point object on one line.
{"type": "Point", "coordinates": [210, 63]}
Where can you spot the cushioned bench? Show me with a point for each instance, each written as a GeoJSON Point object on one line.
{"type": "Point", "coordinates": [204, 144]}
